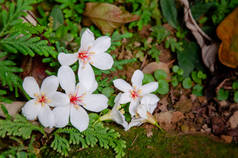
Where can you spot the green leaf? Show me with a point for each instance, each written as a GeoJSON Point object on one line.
{"type": "Point", "coordinates": [58, 17]}
{"type": "Point", "coordinates": [108, 91]}
{"type": "Point", "coordinates": [187, 83]}
{"type": "Point", "coordinates": [169, 11]}
{"type": "Point", "coordinates": [200, 8]}
{"type": "Point", "coordinates": [148, 78]}
{"type": "Point", "coordinates": [197, 90]}
{"type": "Point", "coordinates": [235, 85]}
{"type": "Point", "coordinates": [195, 77]}
{"type": "Point", "coordinates": [222, 94]}
{"type": "Point", "coordinates": [160, 75]}
{"type": "Point", "coordinates": [174, 81]}
{"type": "Point", "coordinates": [189, 58]}
{"type": "Point", "coordinates": [163, 87]}
{"type": "Point", "coordinates": [18, 127]}
{"type": "Point", "coordinates": [175, 68]}
{"type": "Point", "coordinates": [236, 96]}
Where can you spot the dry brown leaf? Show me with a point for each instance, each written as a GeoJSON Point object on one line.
{"type": "Point", "coordinates": [107, 17]}
{"type": "Point", "coordinates": [12, 108]}
{"type": "Point", "coordinates": [227, 31]}
{"type": "Point", "coordinates": [209, 51]}
{"type": "Point", "coordinates": [152, 67]}
{"type": "Point", "coordinates": [234, 120]}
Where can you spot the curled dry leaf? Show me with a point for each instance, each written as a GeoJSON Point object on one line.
{"type": "Point", "coordinates": [209, 51]}
{"type": "Point", "coordinates": [107, 17]}
{"type": "Point", "coordinates": [227, 31]}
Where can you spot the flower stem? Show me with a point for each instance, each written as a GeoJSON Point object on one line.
{"type": "Point", "coordinates": [157, 125]}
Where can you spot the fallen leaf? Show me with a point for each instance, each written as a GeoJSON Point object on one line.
{"type": "Point", "coordinates": [107, 17]}
{"type": "Point", "coordinates": [184, 104]}
{"type": "Point", "coordinates": [234, 120]}
{"type": "Point", "coordinates": [227, 139]}
{"type": "Point", "coordinates": [177, 116]}
{"type": "Point", "coordinates": [12, 108]}
{"type": "Point", "coordinates": [152, 67]}
{"type": "Point", "coordinates": [228, 33]}
{"type": "Point", "coordinates": [209, 50]}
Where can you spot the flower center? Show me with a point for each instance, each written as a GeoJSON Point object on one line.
{"type": "Point", "coordinates": [135, 93]}
{"type": "Point", "coordinates": [42, 99]}
{"type": "Point", "coordinates": [74, 99]}
{"type": "Point", "coordinates": [83, 55]}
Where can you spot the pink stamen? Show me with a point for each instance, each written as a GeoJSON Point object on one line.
{"type": "Point", "coordinates": [74, 99]}
{"type": "Point", "coordinates": [134, 94]}
{"type": "Point", "coordinates": [83, 55]}
{"type": "Point", "coordinates": [42, 99]}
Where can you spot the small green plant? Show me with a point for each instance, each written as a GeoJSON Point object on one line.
{"type": "Point", "coordinates": [95, 134]}
{"type": "Point", "coordinates": [222, 94]}
{"type": "Point", "coordinates": [235, 89]}
{"type": "Point", "coordinates": [159, 76]}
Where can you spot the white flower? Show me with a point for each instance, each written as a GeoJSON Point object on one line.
{"type": "Point", "coordinates": [115, 114]}
{"type": "Point", "coordinates": [91, 52]}
{"type": "Point", "coordinates": [42, 98]}
{"type": "Point", "coordinates": [134, 93]}
{"type": "Point", "coordinates": [80, 98]}
{"type": "Point", "coordinates": [144, 111]}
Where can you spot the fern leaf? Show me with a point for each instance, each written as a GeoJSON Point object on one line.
{"type": "Point", "coordinates": [95, 134]}
{"type": "Point", "coordinates": [7, 74]}
{"type": "Point", "coordinates": [18, 127]}
{"type": "Point", "coordinates": [27, 45]}
{"type": "Point", "coordinates": [61, 145]}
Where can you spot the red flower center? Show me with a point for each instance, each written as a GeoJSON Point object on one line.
{"type": "Point", "coordinates": [134, 94]}
{"type": "Point", "coordinates": [83, 55]}
{"type": "Point", "coordinates": [42, 99]}
{"type": "Point", "coordinates": [74, 99]}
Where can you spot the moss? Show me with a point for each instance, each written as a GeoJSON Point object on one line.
{"type": "Point", "coordinates": [164, 146]}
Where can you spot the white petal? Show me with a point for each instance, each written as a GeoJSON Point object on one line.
{"type": "Point", "coordinates": [49, 85]}
{"type": "Point", "coordinates": [149, 87]}
{"type": "Point", "coordinates": [122, 85]}
{"type": "Point", "coordinates": [117, 102]}
{"type": "Point", "coordinates": [137, 78]}
{"type": "Point", "coordinates": [151, 108]}
{"type": "Point", "coordinates": [67, 79]}
{"type": "Point", "coordinates": [103, 61]}
{"type": "Point", "coordinates": [149, 99]}
{"type": "Point", "coordinates": [79, 118]}
{"type": "Point", "coordinates": [132, 107]}
{"type": "Point", "coordinates": [46, 117]}
{"type": "Point", "coordinates": [95, 102]}
{"type": "Point", "coordinates": [86, 75]}
{"type": "Point", "coordinates": [117, 98]}
{"type": "Point", "coordinates": [67, 59]}
{"type": "Point", "coordinates": [31, 109]}
{"type": "Point", "coordinates": [119, 118]}
{"type": "Point", "coordinates": [87, 40]}
{"type": "Point", "coordinates": [125, 98]}
{"type": "Point", "coordinates": [59, 99]}
{"type": "Point", "coordinates": [142, 110]}
{"type": "Point", "coordinates": [30, 86]}
{"type": "Point", "coordinates": [135, 122]}
{"type": "Point", "coordinates": [101, 44]}
{"type": "Point", "coordinates": [82, 88]}
{"type": "Point", "coordinates": [61, 116]}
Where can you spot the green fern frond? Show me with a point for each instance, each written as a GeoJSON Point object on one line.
{"type": "Point", "coordinates": [7, 74]}
{"type": "Point", "coordinates": [95, 134]}
{"type": "Point", "coordinates": [15, 11]}
{"type": "Point", "coordinates": [18, 127]}
{"type": "Point", "coordinates": [27, 45]}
